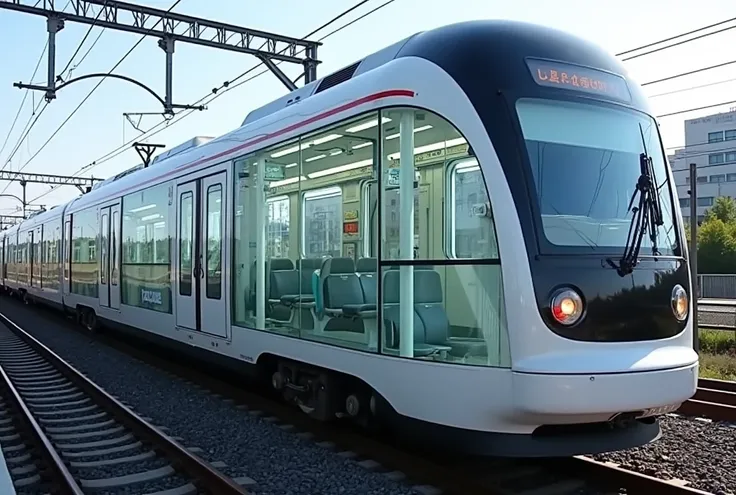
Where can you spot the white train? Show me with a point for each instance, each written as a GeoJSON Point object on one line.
{"type": "Point", "coordinates": [485, 293]}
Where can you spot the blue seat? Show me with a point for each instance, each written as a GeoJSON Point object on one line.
{"type": "Point", "coordinates": [302, 292]}
{"type": "Point", "coordinates": [392, 319]}
{"type": "Point", "coordinates": [366, 269]}
{"type": "Point", "coordinates": [342, 292]}
{"type": "Point", "coordinates": [428, 304]}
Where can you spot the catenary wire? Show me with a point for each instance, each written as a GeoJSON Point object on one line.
{"type": "Point", "coordinates": [216, 93]}
{"type": "Point", "coordinates": [23, 101]}
{"type": "Point", "coordinates": [61, 126]}
{"type": "Point", "coordinates": [672, 38]}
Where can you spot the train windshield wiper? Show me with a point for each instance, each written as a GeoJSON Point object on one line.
{"type": "Point", "coordinates": [647, 215]}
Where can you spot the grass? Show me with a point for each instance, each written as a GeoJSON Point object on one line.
{"type": "Point", "coordinates": [717, 354]}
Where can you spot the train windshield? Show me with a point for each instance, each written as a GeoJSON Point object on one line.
{"type": "Point", "coordinates": [585, 162]}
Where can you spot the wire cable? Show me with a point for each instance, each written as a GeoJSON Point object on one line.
{"type": "Point", "coordinates": [672, 38]}
{"type": "Point", "coordinates": [81, 43]}
{"type": "Point", "coordinates": [689, 73]}
{"type": "Point", "coordinates": [705, 107]}
{"type": "Point", "coordinates": [61, 126]}
{"type": "Point", "coordinates": [680, 42]}
{"type": "Point", "coordinates": [23, 101]}
{"type": "Point", "coordinates": [216, 93]}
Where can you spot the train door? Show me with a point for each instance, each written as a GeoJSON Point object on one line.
{"type": "Point", "coordinates": [200, 227]}
{"type": "Point", "coordinates": [109, 256]}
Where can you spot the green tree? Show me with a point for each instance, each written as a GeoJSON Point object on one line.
{"type": "Point", "coordinates": [724, 209]}
{"type": "Point", "coordinates": [717, 246]}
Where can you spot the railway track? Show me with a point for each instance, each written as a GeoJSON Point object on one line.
{"type": "Point", "coordinates": [63, 434]}
{"type": "Point", "coordinates": [429, 474]}
{"type": "Point", "coordinates": [714, 399]}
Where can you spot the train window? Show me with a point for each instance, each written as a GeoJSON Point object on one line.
{"type": "Point", "coordinates": [320, 175]}
{"type": "Point", "coordinates": [213, 246]}
{"type": "Point", "coordinates": [471, 233]}
{"type": "Point", "coordinates": [583, 179]}
{"type": "Point", "coordinates": [186, 243]}
{"type": "Point", "coordinates": [454, 309]}
{"type": "Point", "coordinates": [85, 269]}
{"type": "Point", "coordinates": [322, 223]}
{"type": "Point", "coordinates": [146, 267]}
{"type": "Point", "coordinates": [277, 233]}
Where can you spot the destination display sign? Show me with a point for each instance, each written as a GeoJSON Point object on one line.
{"type": "Point", "coordinates": [567, 76]}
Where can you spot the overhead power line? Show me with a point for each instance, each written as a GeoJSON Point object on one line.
{"type": "Point", "coordinates": [91, 92]}
{"type": "Point", "coordinates": [705, 107]}
{"type": "Point", "coordinates": [672, 38]}
{"type": "Point", "coordinates": [689, 73]}
{"type": "Point", "coordinates": [223, 89]}
{"type": "Point", "coordinates": [23, 101]}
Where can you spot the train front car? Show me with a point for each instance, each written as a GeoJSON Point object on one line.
{"type": "Point", "coordinates": [596, 281]}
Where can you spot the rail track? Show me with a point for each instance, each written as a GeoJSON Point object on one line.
{"type": "Point", "coordinates": [714, 399]}
{"type": "Point", "coordinates": [61, 433]}
{"type": "Point", "coordinates": [428, 473]}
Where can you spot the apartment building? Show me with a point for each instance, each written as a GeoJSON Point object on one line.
{"type": "Point", "coordinates": [710, 143]}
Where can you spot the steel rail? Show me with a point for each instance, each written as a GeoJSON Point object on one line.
{"type": "Point", "coordinates": [60, 475]}
{"type": "Point", "coordinates": [194, 466]}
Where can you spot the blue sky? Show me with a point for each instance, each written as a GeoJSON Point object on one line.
{"type": "Point", "coordinates": [99, 126]}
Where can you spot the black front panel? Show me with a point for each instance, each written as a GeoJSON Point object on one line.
{"type": "Point", "coordinates": [500, 63]}
{"type": "Point", "coordinates": [632, 308]}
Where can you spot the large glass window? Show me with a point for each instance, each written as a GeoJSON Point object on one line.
{"type": "Point", "coordinates": [433, 307]}
{"type": "Point", "coordinates": [315, 273]}
{"type": "Point", "coordinates": [471, 227]}
{"type": "Point", "coordinates": [277, 235]}
{"type": "Point", "coordinates": [585, 162]}
{"type": "Point", "coordinates": [322, 221]}
{"type": "Point", "coordinates": [146, 271]}
{"type": "Point", "coordinates": [85, 266]}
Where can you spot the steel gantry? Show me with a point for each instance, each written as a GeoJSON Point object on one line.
{"type": "Point", "coordinates": [169, 27]}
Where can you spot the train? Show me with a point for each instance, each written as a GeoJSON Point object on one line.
{"type": "Point", "coordinates": [470, 236]}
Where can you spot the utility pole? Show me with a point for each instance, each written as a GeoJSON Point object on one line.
{"type": "Point", "coordinates": [693, 192]}
{"type": "Point", "coordinates": [169, 27]}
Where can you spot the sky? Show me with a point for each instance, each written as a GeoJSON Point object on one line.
{"type": "Point", "coordinates": [99, 126]}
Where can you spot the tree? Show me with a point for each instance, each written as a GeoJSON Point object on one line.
{"type": "Point", "coordinates": [717, 238]}
{"type": "Point", "coordinates": [724, 209]}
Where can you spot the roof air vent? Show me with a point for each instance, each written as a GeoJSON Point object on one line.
{"type": "Point", "coordinates": [338, 77]}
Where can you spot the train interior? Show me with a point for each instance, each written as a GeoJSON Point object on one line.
{"type": "Point", "coordinates": [328, 221]}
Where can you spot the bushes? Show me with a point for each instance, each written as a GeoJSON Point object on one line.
{"type": "Point", "coordinates": [717, 238]}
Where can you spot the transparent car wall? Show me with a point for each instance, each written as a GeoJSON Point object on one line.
{"type": "Point", "coordinates": [339, 236]}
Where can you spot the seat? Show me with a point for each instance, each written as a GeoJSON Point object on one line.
{"type": "Point", "coordinates": [428, 304]}
{"type": "Point", "coordinates": [366, 269]}
{"type": "Point", "coordinates": [283, 279]}
{"type": "Point", "coordinates": [342, 292]}
{"type": "Point", "coordinates": [392, 320]}
{"type": "Point", "coordinates": [302, 294]}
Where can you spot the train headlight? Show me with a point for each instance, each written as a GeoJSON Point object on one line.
{"type": "Point", "coordinates": [566, 306]}
{"type": "Point", "coordinates": [679, 302]}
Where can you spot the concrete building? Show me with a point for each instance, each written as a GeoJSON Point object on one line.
{"type": "Point", "coordinates": [710, 143]}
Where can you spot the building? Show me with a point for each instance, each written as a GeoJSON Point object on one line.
{"type": "Point", "coordinates": [710, 143]}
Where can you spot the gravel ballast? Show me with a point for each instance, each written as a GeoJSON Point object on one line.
{"type": "Point", "coordinates": [278, 461]}
{"type": "Point", "coordinates": [696, 450]}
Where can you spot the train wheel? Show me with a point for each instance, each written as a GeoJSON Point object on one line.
{"type": "Point", "coordinates": [90, 321]}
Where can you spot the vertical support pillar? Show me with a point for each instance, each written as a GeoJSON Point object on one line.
{"type": "Point", "coordinates": [167, 45]}
{"type": "Point", "coordinates": [23, 200]}
{"type": "Point", "coordinates": [53, 26]}
{"type": "Point", "coordinates": [694, 252]}
{"type": "Point", "coordinates": [406, 232]}
{"type": "Point", "coordinates": [260, 239]}
{"type": "Point", "coordinates": [310, 65]}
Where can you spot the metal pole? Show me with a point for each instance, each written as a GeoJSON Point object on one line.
{"type": "Point", "coordinates": [694, 252]}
